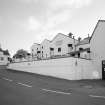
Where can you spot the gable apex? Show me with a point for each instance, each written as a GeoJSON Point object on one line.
{"type": "Point", "coordinates": [96, 28]}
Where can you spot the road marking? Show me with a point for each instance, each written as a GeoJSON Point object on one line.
{"type": "Point", "coordinates": [7, 79]}
{"type": "Point", "coordinates": [24, 85]}
{"type": "Point", "coordinates": [53, 91]}
{"type": "Point", "coordinates": [94, 96]}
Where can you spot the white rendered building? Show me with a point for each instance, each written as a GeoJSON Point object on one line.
{"type": "Point", "coordinates": [4, 57]}
{"type": "Point", "coordinates": [83, 49]}
{"type": "Point", "coordinates": [35, 51]}
{"type": "Point", "coordinates": [45, 49]}
{"type": "Point", "coordinates": [60, 45]}
{"type": "Point", "coordinates": [97, 46]}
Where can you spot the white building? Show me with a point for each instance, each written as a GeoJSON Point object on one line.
{"type": "Point", "coordinates": [83, 49]}
{"type": "Point", "coordinates": [83, 44]}
{"type": "Point", "coordinates": [70, 68]}
{"type": "Point", "coordinates": [97, 41]}
{"type": "Point", "coordinates": [45, 49]}
{"type": "Point", "coordinates": [60, 45]}
{"type": "Point", "coordinates": [97, 45]}
{"type": "Point", "coordinates": [4, 57]}
{"type": "Point", "coordinates": [36, 51]}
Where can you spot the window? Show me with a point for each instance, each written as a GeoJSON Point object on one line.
{"type": "Point", "coordinates": [59, 49]}
{"type": "Point", "coordinates": [88, 50]}
{"type": "Point", "coordinates": [80, 49]}
{"type": "Point", "coordinates": [32, 49]}
{"type": "Point", "coordinates": [42, 51]}
{"type": "Point", "coordinates": [51, 49]}
{"type": "Point", "coordinates": [72, 55]}
{"type": "Point", "coordinates": [78, 55]}
{"type": "Point", "coordinates": [42, 47]}
{"type": "Point", "coordinates": [38, 52]}
{"type": "Point", "coordinates": [69, 45]}
{"type": "Point", "coordinates": [37, 48]}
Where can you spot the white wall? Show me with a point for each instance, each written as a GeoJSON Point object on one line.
{"type": "Point", "coordinates": [98, 41]}
{"type": "Point", "coordinates": [3, 59]}
{"type": "Point", "coordinates": [66, 68]}
{"type": "Point", "coordinates": [46, 48]}
{"type": "Point", "coordinates": [97, 44]}
{"type": "Point", "coordinates": [34, 48]}
{"type": "Point", "coordinates": [62, 41]}
{"type": "Point", "coordinates": [84, 46]}
{"type": "Point", "coordinates": [59, 41]}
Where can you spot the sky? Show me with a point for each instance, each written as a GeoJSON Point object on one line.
{"type": "Point", "coordinates": [24, 22]}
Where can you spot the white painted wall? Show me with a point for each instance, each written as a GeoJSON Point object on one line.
{"type": "Point", "coordinates": [97, 44]}
{"type": "Point", "coordinates": [62, 41]}
{"type": "Point", "coordinates": [84, 46]}
{"type": "Point", "coordinates": [59, 41]}
{"type": "Point", "coordinates": [3, 59]}
{"type": "Point", "coordinates": [45, 48]}
{"type": "Point", "coordinates": [34, 48]}
{"type": "Point", "coordinates": [98, 41]}
{"type": "Point", "coordinates": [66, 68]}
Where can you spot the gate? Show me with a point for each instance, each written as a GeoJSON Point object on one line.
{"type": "Point", "coordinates": [103, 69]}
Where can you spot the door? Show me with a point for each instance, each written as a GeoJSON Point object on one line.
{"type": "Point", "coordinates": [70, 48]}
{"type": "Point", "coordinates": [51, 52]}
{"type": "Point", "coordinates": [103, 69]}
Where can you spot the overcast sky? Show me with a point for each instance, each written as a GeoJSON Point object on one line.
{"type": "Point", "coordinates": [24, 22]}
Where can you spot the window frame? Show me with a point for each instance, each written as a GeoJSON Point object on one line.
{"type": "Point", "coordinates": [59, 49]}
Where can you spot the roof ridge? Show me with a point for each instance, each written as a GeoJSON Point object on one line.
{"type": "Point", "coordinates": [102, 20]}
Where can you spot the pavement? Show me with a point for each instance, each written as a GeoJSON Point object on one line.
{"type": "Point", "coordinates": [21, 88]}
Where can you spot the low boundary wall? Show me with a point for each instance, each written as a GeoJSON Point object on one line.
{"type": "Point", "coordinates": [66, 68]}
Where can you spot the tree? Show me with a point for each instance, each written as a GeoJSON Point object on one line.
{"type": "Point", "coordinates": [20, 54]}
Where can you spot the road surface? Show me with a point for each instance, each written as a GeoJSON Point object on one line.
{"type": "Point", "coordinates": [19, 88]}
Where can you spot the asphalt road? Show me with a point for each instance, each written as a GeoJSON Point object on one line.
{"type": "Point", "coordinates": [18, 88]}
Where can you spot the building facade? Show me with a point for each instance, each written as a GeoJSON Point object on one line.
{"type": "Point", "coordinates": [36, 51]}
{"type": "Point", "coordinates": [60, 45]}
{"type": "Point", "coordinates": [97, 46]}
{"type": "Point", "coordinates": [45, 49]}
{"type": "Point", "coordinates": [4, 57]}
{"type": "Point", "coordinates": [83, 48]}
{"type": "Point", "coordinates": [97, 41]}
